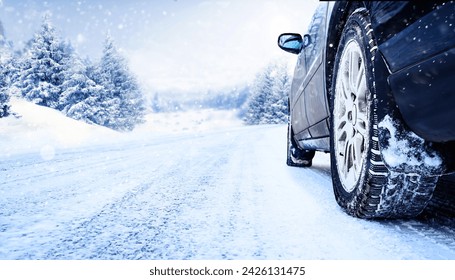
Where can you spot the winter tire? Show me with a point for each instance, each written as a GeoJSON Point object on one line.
{"type": "Point", "coordinates": [362, 183]}
{"type": "Point", "coordinates": [296, 156]}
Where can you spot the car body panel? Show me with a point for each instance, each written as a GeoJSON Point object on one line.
{"type": "Point", "coordinates": [430, 35]}
{"type": "Point", "coordinates": [309, 75]}
{"type": "Point", "coordinates": [422, 64]}
{"type": "Point", "coordinates": [425, 96]}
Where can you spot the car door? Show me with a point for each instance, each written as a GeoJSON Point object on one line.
{"type": "Point", "coordinates": [310, 108]}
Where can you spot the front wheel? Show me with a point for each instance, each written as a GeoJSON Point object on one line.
{"type": "Point", "coordinates": [362, 183]}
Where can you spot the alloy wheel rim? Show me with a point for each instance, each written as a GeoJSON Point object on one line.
{"type": "Point", "coordinates": [351, 116]}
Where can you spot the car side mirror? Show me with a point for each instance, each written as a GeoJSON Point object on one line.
{"type": "Point", "coordinates": [293, 42]}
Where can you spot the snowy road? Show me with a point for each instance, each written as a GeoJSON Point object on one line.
{"type": "Point", "coordinates": [214, 195]}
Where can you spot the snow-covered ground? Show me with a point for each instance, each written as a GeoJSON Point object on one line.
{"type": "Point", "coordinates": [200, 186]}
{"type": "Point", "coordinates": [39, 128]}
{"type": "Point", "coordinates": [191, 121]}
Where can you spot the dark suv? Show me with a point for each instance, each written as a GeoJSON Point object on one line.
{"type": "Point", "coordinates": [374, 86]}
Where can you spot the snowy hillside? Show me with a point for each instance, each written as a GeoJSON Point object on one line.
{"type": "Point", "coordinates": [41, 129]}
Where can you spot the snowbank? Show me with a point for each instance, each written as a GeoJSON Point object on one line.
{"type": "Point", "coordinates": [40, 129]}
{"type": "Point", "coordinates": [43, 130]}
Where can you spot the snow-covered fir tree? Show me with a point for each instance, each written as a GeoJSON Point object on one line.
{"type": "Point", "coordinates": [278, 100]}
{"type": "Point", "coordinates": [6, 59]}
{"type": "Point", "coordinates": [89, 103]}
{"type": "Point", "coordinates": [43, 66]}
{"type": "Point", "coordinates": [261, 88]}
{"type": "Point", "coordinates": [268, 99]}
{"type": "Point", "coordinates": [77, 99]}
{"type": "Point", "coordinates": [121, 102]}
{"type": "Point", "coordinates": [50, 73]}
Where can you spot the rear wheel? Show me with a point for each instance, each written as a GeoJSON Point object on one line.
{"type": "Point", "coordinates": [362, 183]}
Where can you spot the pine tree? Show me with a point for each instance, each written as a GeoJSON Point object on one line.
{"type": "Point", "coordinates": [6, 60]}
{"type": "Point", "coordinates": [122, 100]}
{"type": "Point", "coordinates": [267, 103]}
{"type": "Point", "coordinates": [77, 89]}
{"type": "Point", "coordinates": [43, 66]}
{"type": "Point", "coordinates": [89, 109]}
{"type": "Point", "coordinates": [278, 101]}
{"type": "Point", "coordinates": [262, 87]}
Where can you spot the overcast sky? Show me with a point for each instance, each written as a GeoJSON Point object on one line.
{"type": "Point", "coordinates": [170, 44]}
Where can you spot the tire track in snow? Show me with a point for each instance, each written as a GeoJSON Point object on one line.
{"type": "Point", "coordinates": [146, 218]}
